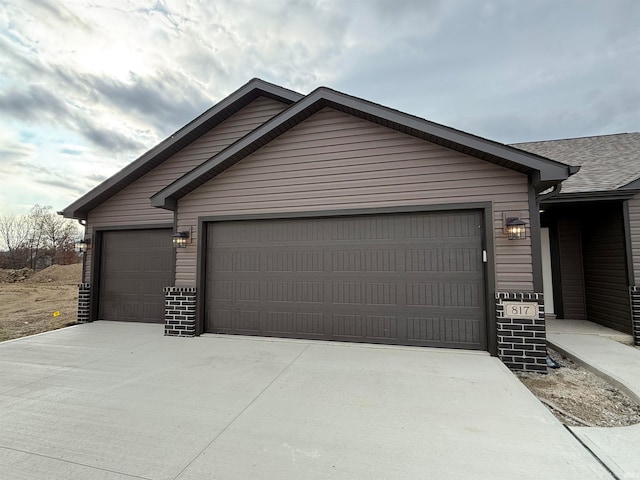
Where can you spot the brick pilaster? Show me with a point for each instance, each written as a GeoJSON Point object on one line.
{"type": "Point", "coordinates": [522, 342]}
{"type": "Point", "coordinates": [84, 303]}
{"type": "Point", "coordinates": [180, 311]}
{"type": "Point", "coordinates": [635, 313]}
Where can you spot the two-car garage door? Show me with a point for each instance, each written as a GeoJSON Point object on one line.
{"type": "Point", "coordinates": [413, 279]}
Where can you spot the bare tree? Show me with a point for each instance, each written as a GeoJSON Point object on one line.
{"type": "Point", "coordinates": [14, 235]}
{"type": "Point", "coordinates": [37, 240]}
{"type": "Point", "coordinates": [59, 237]}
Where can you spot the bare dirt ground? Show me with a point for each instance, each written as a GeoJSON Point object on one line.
{"type": "Point", "coordinates": [28, 300]}
{"type": "Point", "coordinates": [577, 397]}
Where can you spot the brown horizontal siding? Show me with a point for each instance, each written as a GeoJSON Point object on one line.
{"type": "Point", "coordinates": [131, 205]}
{"type": "Point", "coordinates": [334, 161]}
{"type": "Point", "coordinates": [332, 182]}
{"type": "Point", "coordinates": [571, 271]}
{"type": "Point", "coordinates": [634, 231]}
{"type": "Point", "coordinates": [353, 174]}
{"type": "Point", "coordinates": [605, 269]}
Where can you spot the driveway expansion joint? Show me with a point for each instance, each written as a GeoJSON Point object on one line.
{"type": "Point", "coordinates": [246, 407]}
{"type": "Point", "coordinates": [586, 447]}
{"type": "Point", "coordinates": [93, 467]}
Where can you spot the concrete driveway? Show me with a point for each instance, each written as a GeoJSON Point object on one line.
{"type": "Point", "coordinates": [120, 401]}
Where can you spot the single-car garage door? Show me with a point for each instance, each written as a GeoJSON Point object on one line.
{"type": "Point", "coordinates": [413, 279]}
{"type": "Point", "coordinates": [135, 266]}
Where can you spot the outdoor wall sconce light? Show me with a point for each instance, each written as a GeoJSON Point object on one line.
{"type": "Point", "coordinates": [515, 228]}
{"type": "Point", "coordinates": [82, 245]}
{"type": "Point", "coordinates": [180, 239]}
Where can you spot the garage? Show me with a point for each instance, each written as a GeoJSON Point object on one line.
{"type": "Point", "coordinates": [410, 278]}
{"type": "Point", "coordinates": [135, 265]}
{"type": "Point", "coordinates": [326, 216]}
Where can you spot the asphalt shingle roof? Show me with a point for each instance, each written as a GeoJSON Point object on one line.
{"type": "Point", "coordinates": [607, 162]}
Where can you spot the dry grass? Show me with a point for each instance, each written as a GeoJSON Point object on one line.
{"type": "Point", "coordinates": [27, 307]}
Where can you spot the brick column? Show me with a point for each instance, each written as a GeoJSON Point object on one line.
{"type": "Point", "coordinates": [180, 311]}
{"type": "Point", "coordinates": [522, 342]}
{"type": "Point", "coordinates": [635, 313]}
{"type": "Point", "coordinates": [84, 303]}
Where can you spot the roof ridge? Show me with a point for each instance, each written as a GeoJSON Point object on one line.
{"type": "Point", "coordinates": [577, 138]}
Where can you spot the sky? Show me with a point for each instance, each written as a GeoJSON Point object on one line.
{"type": "Point", "coordinates": [87, 86]}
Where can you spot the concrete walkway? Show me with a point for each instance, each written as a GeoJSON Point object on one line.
{"type": "Point", "coordinates": [598, 349]}
{"type": "Point", "coordinates": [115, 401]}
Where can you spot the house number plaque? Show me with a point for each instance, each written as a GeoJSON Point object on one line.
{"type": "Point", "coordinates": [520, 309]}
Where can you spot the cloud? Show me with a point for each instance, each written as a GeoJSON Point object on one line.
{"type": "Point", "coordinates": [35, 174]}
{"type": "Point", "coordinates": [95, 178]}
{"type": "Point", "coordinates": [38, 105]}
{"type": "Point", "coordinates": [55, 12]}
{"type": "Point", "coordinates": [30, 103]}
{"type": "Point", "coordinates": [87, 86]}
{"type": "Point", "coordinates": [165, 101]}
{"type": "Point", "coordinates": [72, 188]}
{"type": "Point", "coordinates": [11, 151]}
{"type": "Point", "coordinates": [71, 151]}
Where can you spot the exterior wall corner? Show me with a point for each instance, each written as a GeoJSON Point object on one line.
{"type": "Point", "coordinates": [180, 311]}
{"type": "Point", "coordinates": [522, 342]}
{"type": "Point", "coordinates": [634, 292]}
{"type": "Point", "coordinates": [84, 303]}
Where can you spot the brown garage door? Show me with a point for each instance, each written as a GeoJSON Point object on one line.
{"type": "Point", "coordinates": [413, 279]}
{"type": "Point", "coordinates": [135, 266]}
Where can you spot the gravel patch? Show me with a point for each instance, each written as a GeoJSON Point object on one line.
{"type": "Point", "coordinates": [580, 398]}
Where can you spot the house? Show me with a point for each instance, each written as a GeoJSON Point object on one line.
{"type": "Point", "coordinates": [591, 231]}
{"type": "Point", "coordinates": [324, 216]}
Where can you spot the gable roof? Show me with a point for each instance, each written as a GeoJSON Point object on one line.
{"type": "Point", "coordinates": [608, 162]}
{"type": "Point", "coordinates": [174, 143]}
{"type": "Point", "coordinates": [544, 172]}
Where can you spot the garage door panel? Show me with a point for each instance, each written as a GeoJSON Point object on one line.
{"type": "Point", "coordinates": [423, 294]}
{"type": "Point", "coordinates": [422, 329]}
{"type": "Point", "coordinates": [135, 266]}
{"type": "Point", "coordinates": [381, 293]}
{"type": "Point", "coordinates": [246, 291]}
{"type": "Point", "coordinates": [346, 293]}
{"type": "Point", "coordinates": [309, 292]}
{"type": "Point", "coordinates": [220, 290]}
{"type": "Point", "coordinates": [461, 295]}
{"type": "Point", "coordinates": [461, 330]}
{"type": "Point", "coordinates": [280, 291]}
{"type": "Point", "coordinates": [295, 323]}
{"type": "Point", "coordinates": [410, 279]}
{"type": "Point", "coordinates": [447, 332]}
{"type": "Point", "coordinates": [358, 259]}
{"type": "Point", "coordinates": [237, 319]}
{"type": "Point", "coordinates": [357, 327]}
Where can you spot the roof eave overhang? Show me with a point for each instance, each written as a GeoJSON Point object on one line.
{"type": "Point", "coordinates": [77, 214]}
{"type": "Point", "coordinates": [578, 197]}
{"type": "Point", "coordinates": [543, 172]}
{"type": "Point", "coordinates": [193, 130]}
